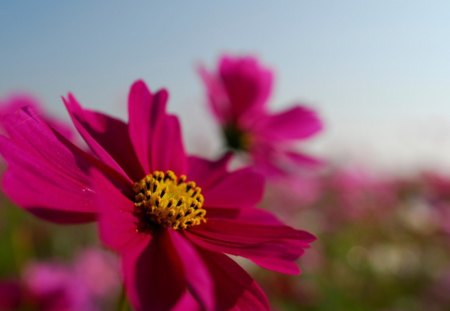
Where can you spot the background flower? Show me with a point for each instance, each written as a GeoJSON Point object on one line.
{"type": "Point", "coordinates": [89, 284]}
{"type": "Point", "coordinates": [238, 93]}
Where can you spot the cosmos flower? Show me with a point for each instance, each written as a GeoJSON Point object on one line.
{"type": "Point", "coordinates": [170, 217]}
{"type": "Point", "coordinates": [54, 286]}
{"type": "Point", "coordinates": [238, 93]}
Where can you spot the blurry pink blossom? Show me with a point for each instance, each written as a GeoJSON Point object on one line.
{"type": "Point", "coordinates": [357, 193]}
{"type": "Point", "coordinates": [238, 93]}
{"type": "Point", "coordinates": [53, 286]}
{"type": "Point", "coordinates": [437, 192]}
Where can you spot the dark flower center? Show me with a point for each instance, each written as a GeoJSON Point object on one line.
{"type": "Point", "coordinates": [169, 201]}
{"type": "Point", "coordinates": [236, 138]}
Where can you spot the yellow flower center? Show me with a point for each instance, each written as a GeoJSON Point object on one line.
{"type": "Point", "coordinates": [169, 201]}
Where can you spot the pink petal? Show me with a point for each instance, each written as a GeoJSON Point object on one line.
{"type": "Point", "coordinates": [234, 288]}
{"type": "Point", "coordinates": [155, 135]}
{"type": "Point", "coordinates": [207, 173]}
{"type": "Point", "coordinates": [302, 159]}
{"type": "Point", "coordinates": [258, 216]}
{"type": "Point", "coordinates": [107, 137]}
{"type": "Point", "coordinates": [146, 112]}
{"type": "Point", "coordinates": [218, 99]}
{"type": "Point", "coordinates": [117, 224]}
{"type": "Point", "coordinates": [153, 274]}
{"type": "Point", "coordinates": [198, 279]}
{"type": "Point", "coordinates": [274, 163]}
{"type": "Point", "coordinates": [187, 303]}
{"type": "Point", "coordinates": [256, 235]}
{"type": "Point", "coordinates": [240, 188]}
{"type": "Point", "coordinates": [168, 151]}
{"type": "Point", "coordinates": [296, 123]}
{"type": "Point", "coordinates": [17, 101]}
{"type": "Point", "coordinates": [46, 173]}
{"type": "Point", "coordinates": [247, 84]}
{"type": "Point", "coordinates": [266, 160]}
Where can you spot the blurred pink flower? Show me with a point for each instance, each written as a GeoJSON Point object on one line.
{"type": "Point", "coordinates": [53, 286]}
{"type": "Point", "coordinates": [289, 196]}
{"type": "Point", "coordinates": [238, 94]}
{"type": "Point", "coordinates": [357, 193]}
{"type": "Point", "coordinates": [170, 217]}
{"type": "Point", "coordinates": [97, 271]}
{"type": "Point", "coordinates": [437, 193]}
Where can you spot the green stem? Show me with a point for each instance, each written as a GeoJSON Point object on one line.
{"type": "Point", "coordinates": [122, 304]}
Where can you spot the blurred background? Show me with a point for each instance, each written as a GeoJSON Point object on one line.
{"type": "Point", "coordinates": [378, 72]}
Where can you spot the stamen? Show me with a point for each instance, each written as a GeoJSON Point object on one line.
{"type": "Point", "coordinates": [169, 201]}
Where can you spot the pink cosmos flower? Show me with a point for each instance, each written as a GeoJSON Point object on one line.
{"type": "Point", "coordinates": [172, 218]}
{"type": "Point", "coordinates": [85, 285]}
{"type": "Point", "coordinates": [238, 94]}
{"type": "Point", "coordinates": [54, 286]}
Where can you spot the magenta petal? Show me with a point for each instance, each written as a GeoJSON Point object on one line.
{"type": "Point", "coordinates": [198, 279]}
{"type": "Point", "coordinates": [266, 159]}
{"type": "Point", "coordinates": [280, 163]}
{"type": "Point", "coordinates": [117, 224]}
{"type": "Point", "coordinates": [240, 188]}
{"type": "Point", "coordinates": [235, 289]}
{"type": "Point", "coordinates": [295, 123]}
{"type": "Point", "coordinates": [155, 135]}
{"type": "Point", "coordinates": [18, 101]}
{"type": "Point", "coordinates": [206, 173]}
{"type": "Point", "coordinates": [46, 173]}
{"type": "Point", "coordinates": [187, 303]}
{"type": "Point", "coordinates": [257, 216]}
{"type": "Point", "coordinates": [107, 137]}
{"type": "Point", "coordinates": [146, 112]}
{"type": "Point", "coordinates": [302, 159]}
{"type": "Point", "coordinates": [218, 98]}
{"type": "Point", "coordinates": [154, 274]}
{"type": "Point", "coordinates": [247, 84]}
{"type": "Point", "coordinates": [257, 236]}
{"type": "Point", "coordinates": [168, 151]}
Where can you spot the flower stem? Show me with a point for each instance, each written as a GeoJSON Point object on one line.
{"type": "Point", "coordinates": [122, 304]}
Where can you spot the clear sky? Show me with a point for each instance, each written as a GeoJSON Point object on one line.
{"type": "Point", "coordinates": [378, 71]}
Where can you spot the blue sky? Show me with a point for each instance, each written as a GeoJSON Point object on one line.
{"type": "Point", "coordinates": [378, 71]}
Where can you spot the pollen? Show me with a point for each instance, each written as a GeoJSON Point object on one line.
{"type": "Point", "coordinates": [163, 199]}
